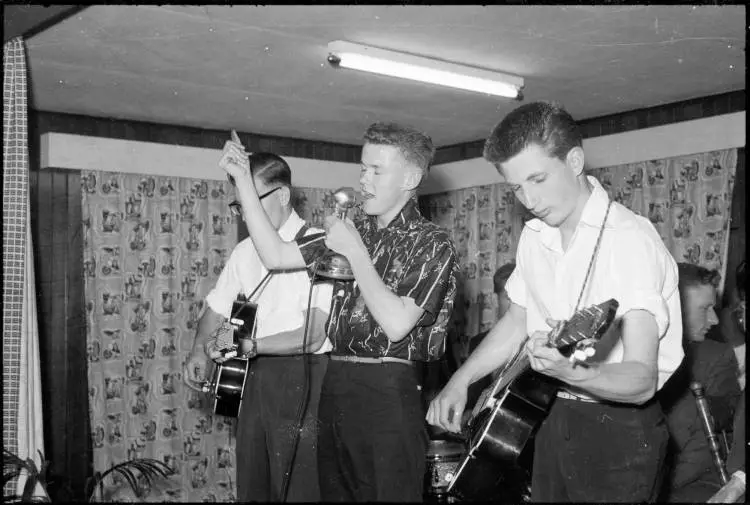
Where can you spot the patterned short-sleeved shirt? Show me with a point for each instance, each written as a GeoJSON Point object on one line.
{"type": "Point", "coordinates": [416, 259]}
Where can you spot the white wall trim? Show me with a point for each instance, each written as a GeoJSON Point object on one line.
{"type": "Point", "coordinates": [113, 155]}
{"type": "Point", "coordinates": [61, 150]}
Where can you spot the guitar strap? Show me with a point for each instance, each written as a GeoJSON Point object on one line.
{"type": "Point", "coordinates": [242, 298]}
{"type": "Point", "coordinates": [593, 258]}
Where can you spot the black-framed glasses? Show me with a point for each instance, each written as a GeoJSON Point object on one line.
{"type": "Point", "coordinates": [235, 207]}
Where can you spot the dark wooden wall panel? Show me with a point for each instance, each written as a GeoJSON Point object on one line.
{"type": "Point", "coordinates": [55, 197]}
{"type": "Point", "coordinates": [737, 235]}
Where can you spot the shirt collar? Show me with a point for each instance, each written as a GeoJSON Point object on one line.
{"type": "Point", "coordinates": [291, 226]}
{"type": "Point", "coordinates": [593, 211]}
{"type": "Point", "coordinates": [408, 213]}
{"type": "Point", "coordinates": [596, 206]}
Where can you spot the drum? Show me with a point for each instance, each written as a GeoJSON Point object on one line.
{"type": "Point", "coordinates": [443, 457]}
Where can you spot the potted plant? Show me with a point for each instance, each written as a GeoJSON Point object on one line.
{"type": "Point", "coordinates": [140, 475]}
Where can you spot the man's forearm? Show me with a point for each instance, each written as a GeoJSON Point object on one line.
{"type": "Point", "coordinates": [266, 239]}
{"type": "Point", "coordinates": [207, 325]}
{"type": "Point", "coordinates": [625, 382]}
{"type": "Point", "coordinates": [386, 307]}
{"type": "Point", "coordinates": [500, 344]}
{"type": "Point", "coordinates": [290, 342]}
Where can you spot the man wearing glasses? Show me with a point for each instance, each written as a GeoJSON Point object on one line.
{"type": "Point", "coordinates": [268, 416]}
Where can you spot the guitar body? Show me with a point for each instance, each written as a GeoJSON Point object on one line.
{"type": "Point", "coordinates": [500, 452]}
{"type": "Point", "coordinates": [228, 382]}
{"type": "Point", "coordinates": [230, 377]}
{"type": "Point", "coordinates": [502, 432]}
{"type": "Point", "coordinates": [513, 409]}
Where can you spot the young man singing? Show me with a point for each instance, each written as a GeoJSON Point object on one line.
{"type": "Point", "coordinates": [393, 315]}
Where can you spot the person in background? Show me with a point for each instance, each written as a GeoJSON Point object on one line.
{"type": "Point", "coordinates": [692, 475]}
{"type": "Point", "coordinates": [732, 321]}
{"type": "Point", "coordinates": [734, 490]}
{"type": "Point", "coordinates": [584, 450]}
{"type": "Point", "coordinates": [269, 413]}
{"type": "Point", "coordinates": [393, 316]}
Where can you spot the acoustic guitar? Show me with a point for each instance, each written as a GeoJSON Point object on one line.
{"type": "Point", "coordinates": [227, 385]}
{"type": "Point", "coordinates": [510, 411]}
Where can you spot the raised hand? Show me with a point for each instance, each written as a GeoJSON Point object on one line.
{"type": "Point", "coordinates": [234, 159]}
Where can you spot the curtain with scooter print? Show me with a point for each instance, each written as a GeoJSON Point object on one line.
{"type": "Point", "coordinates": [687, 198]}
{"type": "Point", "coordinates": [154, 247]}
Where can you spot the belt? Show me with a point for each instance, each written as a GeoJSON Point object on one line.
{"type": "Point", "coordinates": [363, 359]}
{"type": "Point", "coordinates": [561, 393]}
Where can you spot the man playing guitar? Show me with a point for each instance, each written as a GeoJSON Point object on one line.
{"type": "Point", "coordinates": [276, 377]}
{"type": "Point", "coordinates": [604, 437]}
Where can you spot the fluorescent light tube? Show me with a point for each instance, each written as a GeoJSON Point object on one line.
{"type": "Point", "coordinates": [416, 68]}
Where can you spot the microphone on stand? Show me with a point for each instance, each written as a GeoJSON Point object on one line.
{"type": "Point", "coordinates": [334, 265]}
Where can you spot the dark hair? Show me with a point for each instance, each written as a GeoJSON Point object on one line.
{"type": "Point", "coordinates": [270, 168]}
{"type": "Point", "coordinates": [546, 124]}
{"type": "Point", "coordinates": [741, 278]}
{"type": "Point", "coordinates": [501, 276]}
{"type": "Point", "coordinates": [694, 275]}
{"type": "Point", "coordinates": [416, 147]}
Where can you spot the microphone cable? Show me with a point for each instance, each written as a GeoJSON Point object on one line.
{"type": "Point", "coordinates": [305, 399]}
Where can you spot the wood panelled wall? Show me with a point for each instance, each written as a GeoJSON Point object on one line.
{"type": "Point", "coordinates": [55, 197]}
{"type": "Point", "coordinates": [737, 233]}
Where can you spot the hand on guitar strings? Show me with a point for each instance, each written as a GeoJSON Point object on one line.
{"type": "Point", "coordinates": [218, 348]}
{"type": "Point", "coordinates": [547, 359]}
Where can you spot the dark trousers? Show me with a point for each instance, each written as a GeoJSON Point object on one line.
{"type": "Point", "coordinates": [697, 491]}
{"type": "Point", "coordinates": [266, 426]}
{"type": "Point", "coordinates": [373, 439]}
{"type": "Point", "coordinates": [592, 452]}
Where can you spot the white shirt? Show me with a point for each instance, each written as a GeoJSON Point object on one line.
{"type": "Point", "coordinates": [633, 266]}
{"type": "Point", "coordinates": [282, 302]}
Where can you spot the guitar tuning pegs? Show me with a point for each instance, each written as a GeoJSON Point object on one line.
{"type": "Point", "coordinates": [578, 355]}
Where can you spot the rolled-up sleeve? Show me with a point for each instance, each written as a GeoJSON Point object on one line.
{"type": "Point", "coordinates": [222, 296]}
{"type": "Point", "coordinates": [639, 273]}
{"type": "Point", "coordinates": [515, 286]}
{"type": "Point", "coordinates": [428, 277]}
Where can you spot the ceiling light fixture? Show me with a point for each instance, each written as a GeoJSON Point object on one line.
{"type": "Point", "coordinates": [417, 68]}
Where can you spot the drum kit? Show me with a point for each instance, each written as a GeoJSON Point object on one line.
{"type": "Point", "coordinates": [442, 459]}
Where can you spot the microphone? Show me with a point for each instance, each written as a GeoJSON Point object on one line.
{"type": "Point", "coordinates": [345, 199]}
{"type": "Point", "coordinates": [334, 265]}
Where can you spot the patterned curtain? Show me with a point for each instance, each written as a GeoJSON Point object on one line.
{"type": "Point", "coordinates": [154, 247]}
{"type": "Point", "coordinates": [23, 432]}
{"type": "Point", "coordinates": [688, 198]}
{"type": "Point", "coordinates": [485, 222]}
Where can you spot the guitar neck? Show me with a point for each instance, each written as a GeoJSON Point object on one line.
{"type": "Point", "coordinates": [513, 368]}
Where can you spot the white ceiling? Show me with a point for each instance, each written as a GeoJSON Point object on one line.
{"type": "Point", "coordinates": [262, 69]}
